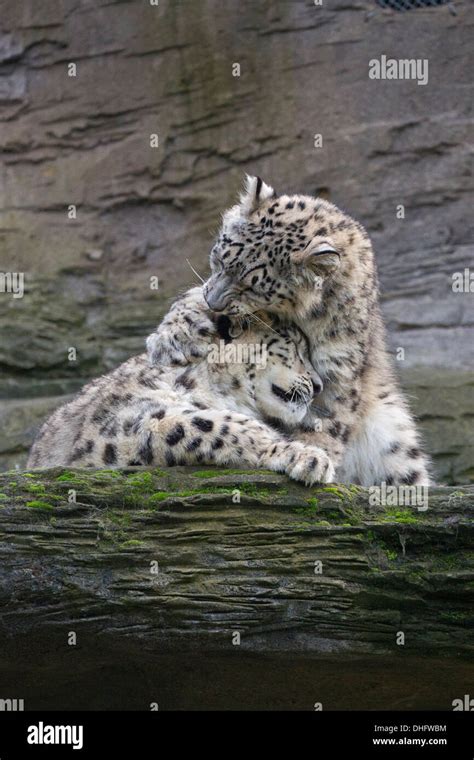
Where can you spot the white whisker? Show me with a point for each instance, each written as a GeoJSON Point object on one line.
{"type": "Point", "coordinates": [194, 271]}
{"type": "Point", "coordinates": [254, 316]}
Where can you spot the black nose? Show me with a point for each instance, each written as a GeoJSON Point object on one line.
{"type": "Point", "coordinates": [317, 387]}
{"type": "Point", "coordinates": [216, 303]}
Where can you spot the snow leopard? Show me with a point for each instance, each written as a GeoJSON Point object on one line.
{"type": "Point", "coordinates": [228, 408]}
{"type": "Point", "coordinates": [302, 261]}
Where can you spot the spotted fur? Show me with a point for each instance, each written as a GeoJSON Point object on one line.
{"type": "Point", "coordinates": [303, 261]}
{"type": "Point", "coordinates": [220, 412]}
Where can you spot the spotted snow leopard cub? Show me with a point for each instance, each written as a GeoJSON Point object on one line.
{"type": "Point", "coordinates": [210, 412]}
{"type": "Point", "coordinates": [305, 262]}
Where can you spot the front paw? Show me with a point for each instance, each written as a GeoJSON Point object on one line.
{"type": "Point", "coordinates": [311, 465]}
{"type": "Point", "coordinates": [163, 349]}
{"type": "Point", "coordinates": [167, 347]}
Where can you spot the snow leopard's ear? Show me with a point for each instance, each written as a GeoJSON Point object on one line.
{"type": "Point", "coordinates": [255, 192]}
{"type": "Point", "coordinates": [321, 258]}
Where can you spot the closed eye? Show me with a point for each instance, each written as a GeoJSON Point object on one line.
{"type": "Point", "coordinates": [253, 269]}
{"type": "Point", "coordinates": [217, 265]}
{"type": "Point", "coordinates": [324, 248]}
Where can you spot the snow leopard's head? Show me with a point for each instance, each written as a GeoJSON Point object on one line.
{"type": "Point", "coordinates": [286, 255]}
{"type": "Point", "coordinates": [268, 368]}
{"type": "Point", "coordinates": [287, 385]}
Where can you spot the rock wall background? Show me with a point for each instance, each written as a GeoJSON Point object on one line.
{"type": "Point", "coordinates": [141, 211]}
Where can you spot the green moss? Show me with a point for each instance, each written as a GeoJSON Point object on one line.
{"type": "Point", "coordinates": [143, 481]}
{"type": "Point", "coordinates": [131, 542]}
{"type": "Point", "coordinates": [114, 526]}
{"type": "Point", "coordinates": [39, 505]}
{"type": "Point", "coordinates": [334, 490]}
{"type": "Point", "coordinates": [342, 492]}
{"type": "Point", "coordinates": [225, 472]}
{"type": "Point", "coordinates": [163, 495]}
{"type": "Point", "coordinates": [105, 475]}
{"type": "Point", "coordinates": [28, 475]}
{"type": "Point", "coordinates": [404, 516]}
{"type": "Point", "coordinates": [215, 474]}
{"type": "Point", "coordinates": [310, 510]}
{"type": "Point", "coordinates": [36, 488]}
{"type": "Point", "coordinates": [248, 489]}
{"type": "Point", "coordinates": [3, 497]}
{"type": "Point", "coordinates": [47, 497]}
{"type": "Point", "coordinates": [316, 505]}
{"type": "Point", "coordinates": [159, 496]}
{"type": "Point", "coordinates": [67, 476]}
{"type": "Point", "coordinates": [191, 492]}
{"type": "Point", "coordinates": [140, 479]}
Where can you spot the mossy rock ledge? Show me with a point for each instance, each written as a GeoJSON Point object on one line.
{"type": "Point", "coordinates": [182, 559]}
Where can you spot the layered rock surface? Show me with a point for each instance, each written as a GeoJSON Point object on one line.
{"type": "Point", "coordinates": [142, 211]}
